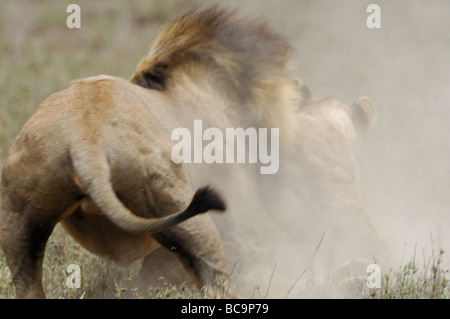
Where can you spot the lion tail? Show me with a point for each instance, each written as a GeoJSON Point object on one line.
{"type": "Point", "coordinates": [363, 113]}
{"type": "Point", "coordinates": [100, 190]}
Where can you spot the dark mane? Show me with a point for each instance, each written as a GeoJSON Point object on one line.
{"type": "Point", "coordinates": [241, 53]}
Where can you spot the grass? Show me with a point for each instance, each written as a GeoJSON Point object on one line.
{"type": "Point", "coordinates": [99, 278]}
{"type": "Point", "coordinates": [415, 281]}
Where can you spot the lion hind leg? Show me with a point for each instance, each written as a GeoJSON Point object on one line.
{"type": "Point", "coordinates": [23, 243]}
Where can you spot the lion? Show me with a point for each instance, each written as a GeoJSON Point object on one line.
{"type": "Point", "coordinates": [96, 156]}
{"type": "Point", "coordinates": [313, 200]}
{"type": "Point", "coordinates": [94, 159]}
{"type": "Point", "coordinates": [325, 167]}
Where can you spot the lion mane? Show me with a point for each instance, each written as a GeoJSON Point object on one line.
{"type": "Point", "coordinates": [245, 59]}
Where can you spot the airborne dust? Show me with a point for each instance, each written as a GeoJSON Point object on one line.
{"type": "Point", "coordinates": [403, 162]}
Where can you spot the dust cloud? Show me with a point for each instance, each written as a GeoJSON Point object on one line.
{"type": "Point", "coordinates": [277, 248]}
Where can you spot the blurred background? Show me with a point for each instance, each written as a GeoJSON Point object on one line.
{"type": "Point", "coordinates": [404, 162]}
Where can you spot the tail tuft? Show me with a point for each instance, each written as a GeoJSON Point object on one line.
{"type": "Point", "coordinates": [205, 199]}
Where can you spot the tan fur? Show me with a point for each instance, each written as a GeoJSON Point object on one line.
{"type": "Point", "coordinates": [96, 155]}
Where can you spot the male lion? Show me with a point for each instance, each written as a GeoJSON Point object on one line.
{"type": "Point", "coordinates": [97, 155]}
{"type": "Point", "coordinates": [233, 73]}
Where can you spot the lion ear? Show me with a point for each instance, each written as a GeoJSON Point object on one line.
{"type": "Point", "coordinates": [152, 78]}
{"type": "Point", "coordinates": [303, 90]}
{"type": "Point", "coordinates": [364, 112]}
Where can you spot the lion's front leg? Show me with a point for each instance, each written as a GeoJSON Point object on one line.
{"type": "Point", "coordinates": [197, 244]}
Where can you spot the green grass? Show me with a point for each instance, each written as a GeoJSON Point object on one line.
{"type": "Point", "coordinates": [413, 280]}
